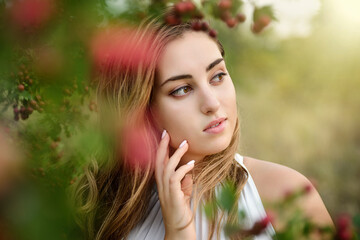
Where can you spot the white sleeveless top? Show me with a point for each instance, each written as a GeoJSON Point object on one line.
{"type": "Point", "coordinates": [153, 227]}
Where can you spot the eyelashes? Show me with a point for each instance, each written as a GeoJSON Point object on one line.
{"type": "Point", "coordinates": [181, 91]}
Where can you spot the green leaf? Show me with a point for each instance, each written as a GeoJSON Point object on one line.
{"type": "Point", "coordinates": [227, 197]}
{"type": "Point", "coordinates": [210, 208]}
{"type": "Point", "coordinates": [264, 11]}
{"type": "Point", "coordinates": [25, 95]}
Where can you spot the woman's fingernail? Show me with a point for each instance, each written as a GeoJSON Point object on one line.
{"type": "Point", "coordinates": [191, 162]}
{"type": "Point", "coordinates": [163, 134]}
{"type": "Point", "coordinates": [182, 144]}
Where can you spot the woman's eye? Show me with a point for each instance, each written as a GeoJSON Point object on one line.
{"type": "Point", "coordinates": [219, 77]}
{"type": "Point", "coordinates": [181, 91]}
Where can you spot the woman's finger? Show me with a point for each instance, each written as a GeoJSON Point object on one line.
{"type": "Point", "coordinates": [161, 155]}
{"type": "Point", "coordinates": [176, 157]}
{"type": "Point", "coordinates": [181, 172]}
{"type": "Point", "coordinates": [187, 185]}
{"type": "Point", "coordinates": [177, 177]}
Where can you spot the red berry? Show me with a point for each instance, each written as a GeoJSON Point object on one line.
{"type": "Point", "coordinates": [16, 117]}
{"type": "Point", "coordinates": [225, 4]}
{"type": "Point", "coordinates": [343, 222]}
{"type": "Point", "coordinates": [204, 26]}
{"type": "Point", "coordinates": [256, 27]}
{"type": "Point", "coordinates": [31, 13]}
{"type": "Point", "coordinates": [22, 109]}
{"type": "Point", "coordinates": [345, 235]}
{"type": "Point", "coordinates": [172, 20]}
{"type": "Point", "coordinates": [33, 103]}
{"type": "Point", "coordinates": [196, 26]}
{"type": "Point", "coordinates": [16, 110]}
{"type": "Point", "coordinates": [307, 189]}
{"type": "Point", "coordinates": [21, 87]}
{"type": "Point", "coordinates": [231, 22]}
{"type": "Point", "coordinates": [29, 110]}
{"type": "Point", "coordinates": [225, 15]}
{"type": "Point", "coordinates": [24, 116]}
{"type": "Point", "coordinates": [264, 20]}
{"type": "Point", "coordinates": [181, 7]}
{"type": "Point", "coordinates": [265, 221]}
{"type": "Point", "coordinates": [241, 17]}
{"type": "Point", "coordinates": [189, 6]}
{"type": "Point", "coordinates": [213, 33]}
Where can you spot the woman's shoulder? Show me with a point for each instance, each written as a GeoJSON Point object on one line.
{"type": "Point", "coordinates": [273, 180]}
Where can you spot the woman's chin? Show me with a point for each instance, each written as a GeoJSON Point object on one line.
{"type": "Point", "coordinates": [209, 150]}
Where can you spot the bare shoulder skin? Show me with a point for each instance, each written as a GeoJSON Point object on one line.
{"type": "Point", "coordinates": [273, 180]}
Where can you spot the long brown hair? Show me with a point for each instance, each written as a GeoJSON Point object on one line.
{"type": "Point", "coordinates": [111, 199]}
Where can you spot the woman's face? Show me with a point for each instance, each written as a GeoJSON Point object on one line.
{"type": "Point", "coordinates": [192, 89]}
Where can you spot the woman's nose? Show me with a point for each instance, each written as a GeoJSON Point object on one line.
{"type": "Point", "coordinates": [209, 100]}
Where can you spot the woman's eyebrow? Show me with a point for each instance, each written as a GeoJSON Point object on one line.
{"type": "Point", "coordinates": [185, 76]}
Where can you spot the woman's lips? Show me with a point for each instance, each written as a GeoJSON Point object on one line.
{"type": "Point", "coordinates": [217, 129]}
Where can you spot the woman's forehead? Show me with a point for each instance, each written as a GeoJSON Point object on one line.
{"type": "Point", "coordinates": [191, 52]}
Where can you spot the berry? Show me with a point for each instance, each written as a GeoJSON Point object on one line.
{"type": "Point", "coordinates": [264, 20]}
{"type": "Point", "coordinates": [189, 6]}
{"type": "Point", "coordinates": [33, 103]}
{"type": "Point", "coordinates": [31, 13]}
{"type": "Point", "coordinates": [225, 15]}
{"type": "Point", "coordinates": [21, 87]}
{"type": "Point", "coordinates": [181, 7]}
{"type": "Point", "coordinates": [29, 110]}
{"type": "Point", "coordinates": [240, 17]}
{"type": "Point", "coordinates": [213, 33]}
{"type": "Point", "coordinates": [16, 117]}
{"type": "Point", "coordinates": [265, 221]}
{"type": "Point", "coordinates": [345, 235]}
{"type": "Point", "coordinates": [22, 109]}
{"type": "Point", "coordinates": [196, 26]}
{"type": "Point", "coordinates": [16, 111]}
{"type": "Point", "coordinates": [307, 189]}
{"type": "Point", "coordinates": [172, 20]}
{"type": "Point", "coordinates": [343, 222]}
{"type": "Point", "coordinates": [231, 22]}
{"type": "Point", "coordinates": [256, 27]}
{"type": "Point", "coordinates": [225, 4]}
{"type": "Point", "coordinates": [204, 26]}
{"type": "Point", "coordinates": [24, 116]}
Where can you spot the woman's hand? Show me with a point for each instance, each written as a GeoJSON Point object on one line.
{"type": "Point", "coordinates": [174, 189]}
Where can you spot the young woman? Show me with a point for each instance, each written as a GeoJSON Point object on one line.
{"type": "Point", "coordinates": [185, 96]}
